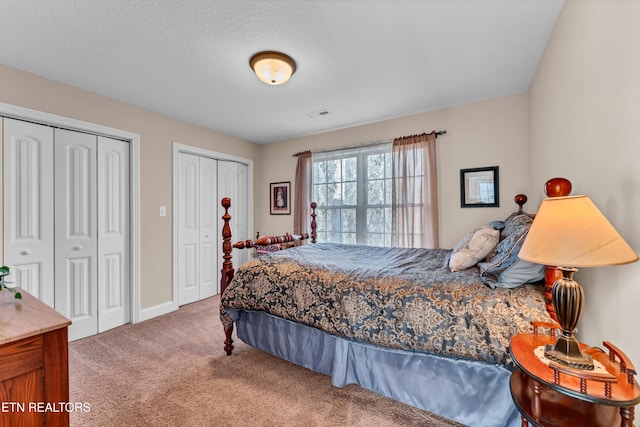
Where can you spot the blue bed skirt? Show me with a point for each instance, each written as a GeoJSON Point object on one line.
{"type": "Point", "coordinates": [473, 393]}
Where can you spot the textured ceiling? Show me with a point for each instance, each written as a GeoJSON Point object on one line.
{"type": "Point", "coordinates": [363, 61]}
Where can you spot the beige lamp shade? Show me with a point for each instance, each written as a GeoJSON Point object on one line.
{"type": "Point", "coordinates": [273, 68]}
{"type": "Point", "coordinates": [572, 232]}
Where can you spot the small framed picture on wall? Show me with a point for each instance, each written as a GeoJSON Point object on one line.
{"type": "Point", "coordinates": [280, 198]}
{"type": "Point", "coordinates": [479, 187]}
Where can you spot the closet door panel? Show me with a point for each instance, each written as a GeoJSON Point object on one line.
{"type": "Point", "coordinates": [208, 228]}
{"type": "Point", "coordinates": [28, 203]}
{"type": "Point", "coordinates": [76, 231]}
{"type": "Point", "coordinates": [242, 197]}
{"type": "Point", "coordinates": [188, 228]}
{"type": "Point", "coordinates": [113, 233]}
{"type": "Point", "coordinates": [232, 183]}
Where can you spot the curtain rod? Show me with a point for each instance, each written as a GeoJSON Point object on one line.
{"type": "Point", "coordinates": [366, 144]}
{"type": "Point", "coordinates": [438, 133]}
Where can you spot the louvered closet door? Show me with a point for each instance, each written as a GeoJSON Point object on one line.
{"type": "Point", "coordinates": [28, 203]}
{"type": "Point", "coordinates": [76, 231]}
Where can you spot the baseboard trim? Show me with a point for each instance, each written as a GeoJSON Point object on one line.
{"type": "Point", "coordinates": [155, 311]}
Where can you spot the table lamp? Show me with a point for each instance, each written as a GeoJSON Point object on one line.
{"type": "Point", "coordinates": [571, 232]}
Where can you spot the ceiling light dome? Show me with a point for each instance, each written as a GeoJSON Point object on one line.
{"type": "Point", "coordinates": [273, 68]}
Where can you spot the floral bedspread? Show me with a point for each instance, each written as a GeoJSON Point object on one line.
{"type": "Point", "coordinates": [399, 298]}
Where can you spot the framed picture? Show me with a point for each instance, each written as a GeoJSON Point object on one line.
{"type": "Point", "coordinates": [479, 188]}
{"type": "Point", "coordinates": [280, 198]}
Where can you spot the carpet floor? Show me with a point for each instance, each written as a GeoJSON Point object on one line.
{"type": "Point", "coordinates": [172, 371]}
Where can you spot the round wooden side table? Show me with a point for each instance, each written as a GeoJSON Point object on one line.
{"type": "Point", "coordinates": [552, 395]}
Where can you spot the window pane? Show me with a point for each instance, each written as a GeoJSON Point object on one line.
{"type": "Point", "coordinates": [321, 219]}
{"type": "Point", "coordinates": [320, 194]}
{"type": "Point", "coordinates": [388, 188]}
{"type": "Point", "coordinates": [375, 239]}
{"type": "Point", "coordinates": [348, 220]}
{"type": "Point", "coordinates": [375, 166]}
{"type": "Point", "coordinates": [319, 172]}
{"type": "Point", "coordinates": [350, 193]}
{"type": "Point", "coordinates": [328, 218]}
{"type": "Point", "coordinates": [375, 192]}
{"type": "Point", "coordinates": [349, 238]}
{"type": "Point", "coordinates": [387, 223]}
{"type": "Point", "coordinates": [375, 220]}
{"type": "Point", "coordinates": [334, 194]}
{"type": "Point", "coordinates": [350, 169]}
{"type": "Point", "coordinates": [333, 226]}
{"type": "Point", "coordinates": [387, 165]}
{"type": "Point", "coordinates": [334, 171]}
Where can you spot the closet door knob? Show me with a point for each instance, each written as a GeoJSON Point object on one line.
{"type": "Point", "coordinates": [27, 252]}
{"type": "Point", "coordinates": [76, 248]}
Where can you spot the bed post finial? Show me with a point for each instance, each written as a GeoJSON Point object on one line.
{"type": "Point", "coordinates": [314, 234]}
{"type": "Point", "coordinates": [520, 200]}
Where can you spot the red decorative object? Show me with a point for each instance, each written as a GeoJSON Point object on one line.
{"type": "Point", "coordinates": [520, 200]}
{"type": "Point", "coordinates": [557, 187]}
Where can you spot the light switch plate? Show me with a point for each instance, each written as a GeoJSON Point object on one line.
{"type": "Point", "coordinates": [163, 211]}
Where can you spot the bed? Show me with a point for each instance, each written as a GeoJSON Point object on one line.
{"type": "Point", "coordinates": [427, 327]}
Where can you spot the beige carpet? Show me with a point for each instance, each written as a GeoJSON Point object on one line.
{"type": "Point", "coordinates": [172, 371]}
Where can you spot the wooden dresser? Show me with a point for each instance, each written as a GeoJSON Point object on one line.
{"type": "Point", "coordinates": [34, 369]}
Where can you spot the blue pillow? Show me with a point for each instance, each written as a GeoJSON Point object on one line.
{"type": "Point", "coordinates": [497, 225]}
{"type": "Point", "coordinates": [519, 273]}
{"type": "Point", "coordinates": [503, 268]}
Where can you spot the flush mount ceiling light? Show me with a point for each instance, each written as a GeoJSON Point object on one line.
{"type": "Point", "coordinates": [273, 68]}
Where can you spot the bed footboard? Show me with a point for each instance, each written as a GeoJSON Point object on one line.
{"type": "Point", "coordinates": [270, 240]}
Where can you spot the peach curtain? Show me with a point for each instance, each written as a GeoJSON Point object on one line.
{"type": "Point", "coordinates": [302, 196]}
{"type": "Point", "coordinates": [414, 212]}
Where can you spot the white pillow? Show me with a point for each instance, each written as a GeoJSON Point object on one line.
{"type": "Point", "coordinates": [473, 247]}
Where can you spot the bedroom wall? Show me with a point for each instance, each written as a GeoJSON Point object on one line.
{"type": "Point", "coordinates": [487, 133]}
{"type": "Point", "coordinates": [584, 110]}
{"type": "Point", "coordinates": [157, 133]}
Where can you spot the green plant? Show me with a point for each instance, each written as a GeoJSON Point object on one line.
{"type": "Point", "coordinates": [4, 272]}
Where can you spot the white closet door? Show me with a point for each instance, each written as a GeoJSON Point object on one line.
{"type": "Point", "coordinates": [208, 228]}
{"type": "Point", "coordinates": [197, 228]}
{"type": "Point", "coordinates": [76, 250]}
{"type": "Point", "coordinates": [232, 183]}
{"type": "Point", "coordinates": [28, 203]}
{"type": "Point", "coordinates": [242, 210]}
{"type": "Point", "coordinates": [113, 233]}
{"type": "Point", "coordinates": [188, 228]}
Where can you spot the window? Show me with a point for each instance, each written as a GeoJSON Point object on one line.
{"type": "Point", "coordinates": [353, 191]}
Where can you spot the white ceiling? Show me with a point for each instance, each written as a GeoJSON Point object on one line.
{"type": "Point", "coordinates": [363, 61]}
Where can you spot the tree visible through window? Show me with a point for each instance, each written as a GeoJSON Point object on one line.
{"type": "Point", "coordinates": [353, 191]}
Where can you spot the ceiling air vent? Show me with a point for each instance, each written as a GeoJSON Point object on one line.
{"type": "Point", "coordinates": [320, 113]}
